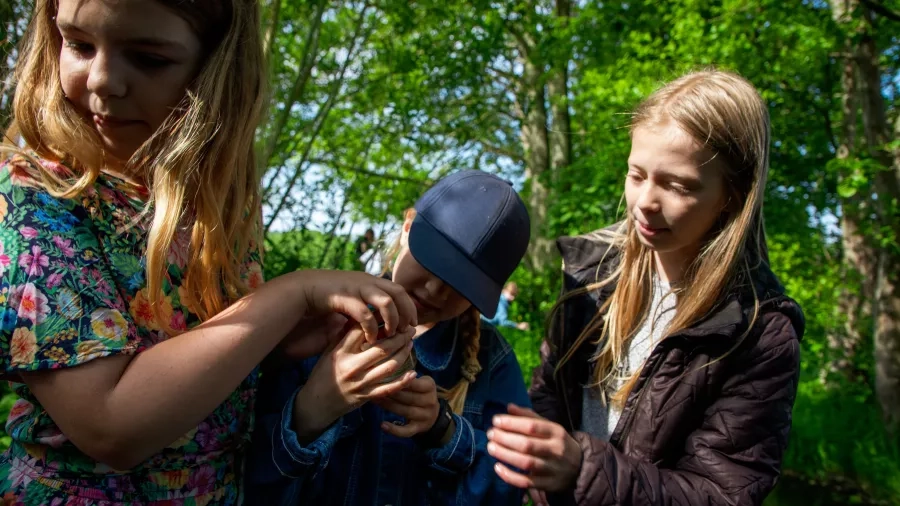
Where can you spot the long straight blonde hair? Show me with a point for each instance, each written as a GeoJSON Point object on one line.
{"type": "Point", "coordinates": [200, 163]}
{"type": "Point", "coordinates": [723, 112]}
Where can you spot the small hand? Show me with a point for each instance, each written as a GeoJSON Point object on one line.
{"type": "Point", "coordinates": [541, 448]}
{"type": "Point", "coordinates": [418, 403]}
{"type": "Point", "coordinates": [522, 326]}
{"type": "Point", "coordinates": [346, 376]}
{"type": "Point", "coordinates": [351, 294]}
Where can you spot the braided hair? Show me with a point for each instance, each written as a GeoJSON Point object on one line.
{"type": "Point", "coordinates": [470, 329]}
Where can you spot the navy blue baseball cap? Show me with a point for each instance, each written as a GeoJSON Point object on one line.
{"type": "Point", "coordinates": [471, 230]}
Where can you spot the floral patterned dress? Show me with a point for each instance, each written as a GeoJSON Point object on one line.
{"type": "Point", "coordinates": [72, 290]}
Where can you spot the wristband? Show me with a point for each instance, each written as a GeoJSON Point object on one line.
{"type": "Point", "coordinates": [432, 437]}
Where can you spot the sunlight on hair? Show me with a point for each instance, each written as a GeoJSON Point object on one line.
{"type": "Point", "coordinates": [724, 112]}
{"type": "Point", "coordinates": [200, 163]}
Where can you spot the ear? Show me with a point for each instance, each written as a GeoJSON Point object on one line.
{"type": "Point", "coordinates": [404, 233]}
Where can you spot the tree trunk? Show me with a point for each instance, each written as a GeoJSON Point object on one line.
{"type": "Point", "coordinates": [886, 303]}
{"type": "Point", "coordinates": [558, 91]}
{"type": "Point", "coordinates": [857, 260]}
{"type": "Point", "coordinates": [535, 143]}
{"type": "Point", "coordinates": [887, 333]}
{"type": "Point", "coordinates": [878, 266]}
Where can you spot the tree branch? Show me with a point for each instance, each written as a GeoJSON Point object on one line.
{"type": "Point", "coordinates": [881, 9]}
{"type": "Point", "coordinates": [499, 150]}
{"type": "Point", "coordinates": [311, 48]}
{"type": "Point", "coordinates": [322, 115]}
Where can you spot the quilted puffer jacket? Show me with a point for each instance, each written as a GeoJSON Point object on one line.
{"type": "Point", "coordinates": [708, 420]}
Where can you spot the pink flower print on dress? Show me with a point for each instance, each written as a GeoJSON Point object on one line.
{"type": "Point", "coordinates": [4, 259]}
{"type": "Point", "coordinates": [19, 409]}
{"type": "Point", "coordinates": [29, 302]}
{"type": "Point", "coordinates": [34, 262]}
{"type": "Point", "coordinates": [54, 280]}
{"type": "Point", "coordinates": [28, 233]}
{"type": "Point", "coordinates": [178, 322]}
{"type": "Point", "coordinates": [64, 245]}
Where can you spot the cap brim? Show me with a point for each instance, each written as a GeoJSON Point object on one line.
{"type": "Point", "coordinates": [443, 259]}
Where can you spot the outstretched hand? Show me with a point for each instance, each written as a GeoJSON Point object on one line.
{"type": "Point", "coordinates": [543, 449]}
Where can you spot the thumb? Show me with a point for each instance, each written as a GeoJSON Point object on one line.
{"type": "Point", "coordinates": [351, 341]}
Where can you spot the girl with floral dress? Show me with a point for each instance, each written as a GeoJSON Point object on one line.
{"type": "Point", "coordinates": [134, 313]}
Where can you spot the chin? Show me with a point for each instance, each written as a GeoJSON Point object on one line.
{"type": "Point", "coordinates": [649, 243]}
{"type": "Point", "coordinates": [118, 153]}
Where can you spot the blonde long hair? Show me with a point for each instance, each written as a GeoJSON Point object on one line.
{"type": "Point", "coordinates": [200, 163]}
{"type": "Point", "coordinates": [469, 328]}
{"type": "Point", "coordinates": [726, 114]}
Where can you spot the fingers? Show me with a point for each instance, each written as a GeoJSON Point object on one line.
{"type": "Point", "coordinates": [513, 478]}
{"type": "Point", "coordinates": [408, 430]}
{"type": "Point", "coordinates": [539, 497]}
{"type": "Point", "coordinates": [393, 387]}
{"type": "Point", "coordinates": [533, 427]}
{"type": "Point", "coordinates": [352, 340]}
{"type": "Point", "coordinates": [383, 304]}
{"type": "Point", "coordinates": [413, 398]}
{"type": "Point", "coordinates": [423, 385]}
{"type": "Point", "coordinates": [530, 445]}
{"type": "Point", "coordinates": [517, 442]}
{"type": "Point", "coordinates": [386, 368]}
{"type": "Point", "coordinates": [523, 461]}
{"type": "Point", "coordinates": [411, 413]}
{"type": "Point", "coordinates": [405, 307]}
{"type": "Point", "coordinates": [358, 311]}
{"type": "Point", "coordinates": [382, 350]}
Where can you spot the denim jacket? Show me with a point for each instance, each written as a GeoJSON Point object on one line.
{"type": "Point", "coordinates": [355, 463]}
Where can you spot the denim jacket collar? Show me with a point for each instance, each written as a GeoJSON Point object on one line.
{"type": "Point", "coordinates": [436, 347]}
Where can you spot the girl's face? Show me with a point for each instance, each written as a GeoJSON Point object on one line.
{"type": "Point", "coordinates": [435, 300]}
{"type": "Point", "coordinates": [125, 64]}
{"type": "Point", "coordinates": [674, 190]}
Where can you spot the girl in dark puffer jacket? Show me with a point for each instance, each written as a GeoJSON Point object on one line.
{"type": "Point", "coordinates": [672, 359]}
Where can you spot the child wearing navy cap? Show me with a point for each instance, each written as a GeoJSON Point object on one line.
{"type": "Point", "coordinates": [336, 430]}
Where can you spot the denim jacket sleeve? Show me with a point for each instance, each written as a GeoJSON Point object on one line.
{"type": "Point", "coordinates": [277, 462]}
{"type": "Point", "coordinates": [466, 456]}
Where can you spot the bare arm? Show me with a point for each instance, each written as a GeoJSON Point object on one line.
{"type": "Point", "coordinates": [124, 409]}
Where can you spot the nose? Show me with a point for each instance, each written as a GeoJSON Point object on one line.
{"type": "Point", "coordinates": [648, 199]}
{"type": "Point", "coordinates": [106, 77]}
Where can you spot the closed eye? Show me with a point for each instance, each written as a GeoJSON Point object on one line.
{"type": "Point", "coordinates": [149, 61]}
{"type": "Point", "coordinates": [635, 176]}
{"type": "Point", "coordinates": [679, 188]}
{"type": "Point", "coordinates": [82, 49]}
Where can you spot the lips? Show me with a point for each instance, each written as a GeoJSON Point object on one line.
{"type": "Point", "coordinates": [106, 121]}
{"type": "Point", "coordinates": [647, 230]}
{"type": "Point", "coordinates": [423, 305]}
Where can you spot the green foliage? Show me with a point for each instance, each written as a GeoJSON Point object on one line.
{"type": "Point", "coordinates": [307, 249]}
{"type": "Point", "coordinates": [839, 432]}
{"type": "Point", "coordinates": [371, 102]}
